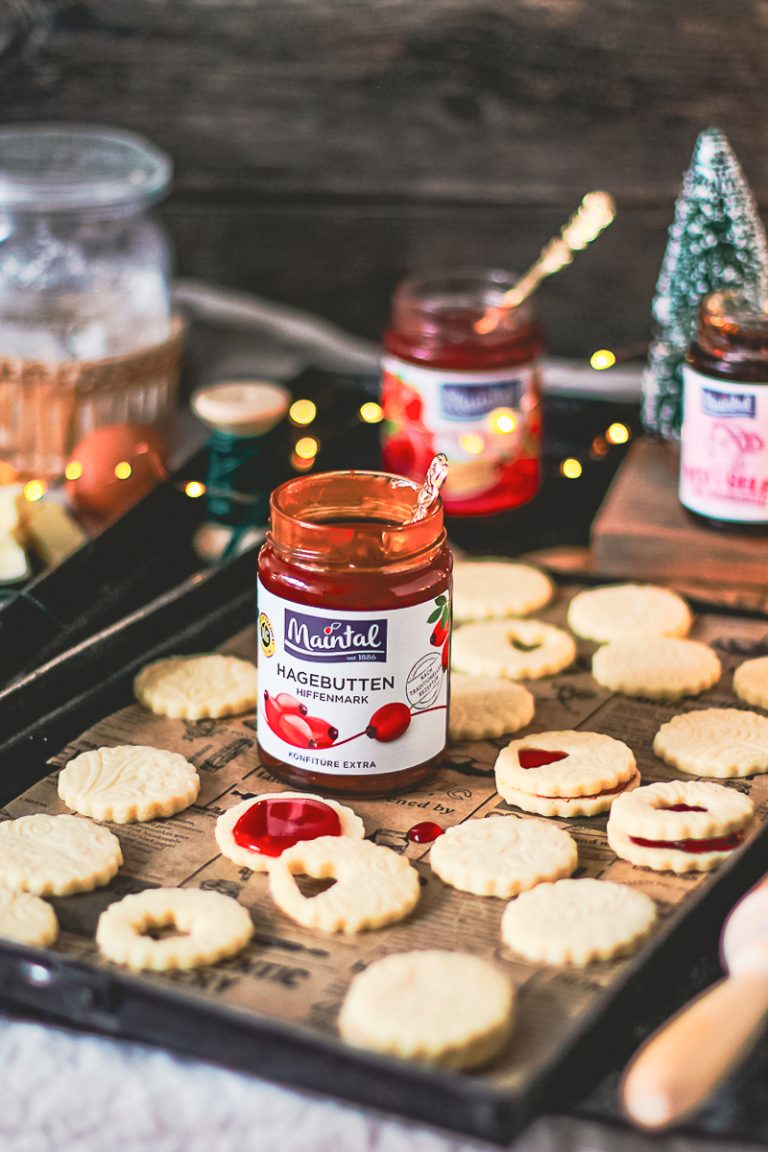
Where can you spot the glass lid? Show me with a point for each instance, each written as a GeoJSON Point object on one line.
{"type": "Point", "coordinates": [60, 167]}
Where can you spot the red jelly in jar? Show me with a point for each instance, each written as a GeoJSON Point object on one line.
{"type": "Point", "coordinates": [353, 673]}
{"type": "Point", "coordinates": [461, 376]}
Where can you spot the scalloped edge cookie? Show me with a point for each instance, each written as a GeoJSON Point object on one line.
{"type": "Point", "coordinates": [502, 855]}
{"type": "Point", "coordinates": [483, 707]}
{"type": "Point", "coordinates": [488, 648]}
{"type": "Point", "coordinates": [351, 825]}
{"type": "Point", "coordinates": [660, 668]}
{"type": "Point", "coordinates": [199, 687]}
{"type": "Point", "coordinates": [628, 611]}
{"type": "Point", "coordinates": [129, 783]}
{"type": "Point", "coordinates": [494, 589]}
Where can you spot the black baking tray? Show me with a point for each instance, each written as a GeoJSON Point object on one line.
{"type": "Point", "coordinates": [51, 706]}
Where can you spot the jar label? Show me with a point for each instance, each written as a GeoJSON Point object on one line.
{"type": "Point", "coordinates": [724, 452]}
{"type": "Point", "coordinates": [484, 422]}
{"type": "Point", "coordinates": [353, 693]}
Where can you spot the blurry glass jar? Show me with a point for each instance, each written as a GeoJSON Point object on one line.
{"type": "Point", "coordinates": [87, 337]}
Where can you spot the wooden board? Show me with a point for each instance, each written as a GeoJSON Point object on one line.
{"type": "Point", "coordinates": [287, 986]}
{"type": "Point", "coordinates": [367, 137]}
{"type": "Point", "coordinates": [642, 531]}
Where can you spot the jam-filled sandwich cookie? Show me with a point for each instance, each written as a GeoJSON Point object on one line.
{"type": "Point", "coordinates": [576, 922]}
{"type": "Point", "coordinates": [27, 919]}
{"type": "Point", "coordinates": [719, 742]}
{"type": "Point", "coordinates": [57, 855]}
{"type": "Point", "coordinates": [484, 706]}
{"type": "Point", "coordinates": [444, 1008]}
{"type": "Point", "coordinates": [517, 649]}
{"type": "Point", "coordinates": [493, 589]}
{"type": "Point", "coordinates": [656, 669]}
{"type": "Point", "coordinates": [565, 773]}
{"type": "Point", "coordinates": [197, 687]}
{"type": "Point", "coordinates": [627, 612]}
{"type": "Point", "coordinates": [256, 831]}
{"type": "Point", "coordinates": [750, 681]}
{"type": "Point", "coordinates": [128, 783]}
{"type": "Point", "coordinates": [502, 855]}
{"type": "Point", "coordinates": [211, 926]}
{"type": "Point", "coordinates": [374, 885]}
{"type": "Point", "coordinates": [679, 826]}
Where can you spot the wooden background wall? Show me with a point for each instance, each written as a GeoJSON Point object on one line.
{"type": "Point", "coordinates": [323, 147]}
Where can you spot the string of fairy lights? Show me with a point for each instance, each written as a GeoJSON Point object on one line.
{"type": "Point", "coordinates": [303, 413]}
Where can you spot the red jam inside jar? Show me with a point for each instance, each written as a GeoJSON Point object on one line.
{"type": "Point", "coordinates": [460, 376]}
{"type": "Point", "coordinates": [354, 635]}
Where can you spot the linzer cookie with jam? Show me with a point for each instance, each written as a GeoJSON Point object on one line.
{"type": "Point", "coordinates": [720, 742]}
{"type": "Point", "coordinates": [679, 825]}
{"type": "Point", "coordinates": [565, 773]}
{"type": "Point", "coordinates": [256, 831]}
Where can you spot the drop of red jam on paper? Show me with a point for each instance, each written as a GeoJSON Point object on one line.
{"type": "Point", "coordinates": [389, 722]}
{"type": "Point", "coordinates": [682, 808]}
{"type": "Point", "coordinates": [694, 847]}
{"type": "Point", "coordinates": [425, 832]}
{"type": "Point", "coordinates": [270, 826]}
{"type": "Point", "coordinates": [290, 705]}
{"type": "Point", "coordinates": [537, 757]}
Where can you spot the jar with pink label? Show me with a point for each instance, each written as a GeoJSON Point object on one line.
{"type": "Point", "coordinates": [724, 452]}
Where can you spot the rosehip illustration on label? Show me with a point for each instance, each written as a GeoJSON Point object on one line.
{"type": "Point", "coordinates": [445, 655]}
{"type": "Point", "coordinates": [323, 733]}
{"type": "Point", "coordinates": [294, 730]}
{"type": "Point", "coordinates": [438, 636]}
{"type": "Point", "coordinates": [272, 711]}
{"type": "Point", "coordinates": [389, 722]}
{"type": "Point", "coordinates": [290, 705]}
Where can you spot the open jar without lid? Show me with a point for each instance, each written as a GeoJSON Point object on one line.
{"type": "Point", "coordinates": [724, 439]}
{"type": "Point", "coordinates": [354, 634]}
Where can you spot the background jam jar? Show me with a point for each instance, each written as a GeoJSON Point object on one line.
{"type": "Point", "coordinates": [461, 376]}
{"type": "Point", "coordinates": [354, 635]}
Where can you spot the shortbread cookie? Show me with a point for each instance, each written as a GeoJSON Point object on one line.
{"type": "Point", "coordinates": [577, 921]}
{"type": "Point", "coordinates": [213, 926]}
{"type": "Point", "coordinates": [628, 612]}
{"type": "Point", "coordinates": [485, 706]}
{"type": "Point", "coordinates": [679, 825]}
{"type": "Point", "coordinates": [719, 742]}
{"type": "Point", "coordinates": [750, 681]}
{"type": "Point", "coordinates": [256, 831]}
{"type": "Point", "coordinates": [494, 589]}
{"type": "Point", "coordinates": [656, 669]}
{"type": "Point", "coordinates": [197, 687]}
{"type": "Point", "coordinates": [374, 885]}
{"type": "Point", "coordinates": [565, 773]}
{"type": "Point", "coordinates": [502, 855]}
{"type": "Point", "coordinates": [445, 1008]}
{"type": "Point", "coordinates": [27, 919]}
{"type": "Point", "coordinates": [128, 783]}
{"type": "Point", "coordinates": [57, 855]}
{"type": "Point", "coordinates": [518, 649]}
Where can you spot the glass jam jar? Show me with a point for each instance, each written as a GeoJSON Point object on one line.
{"type": "Point", "coordinates": [461, 376]}
{"type": "Point", "coordinates": [354, 634]}
{"type": "Point", "coordinates": [724, 450]}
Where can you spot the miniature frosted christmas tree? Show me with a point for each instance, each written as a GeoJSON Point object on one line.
{"type": "Point", "coordinates": [717, 240]}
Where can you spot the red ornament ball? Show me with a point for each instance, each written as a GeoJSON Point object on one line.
{"type": "Point", "coordinates": [114, 467]}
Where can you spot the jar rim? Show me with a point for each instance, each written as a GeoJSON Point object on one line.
{"type": "Point", "coordinates": [70, 167]}
{"type": "Point", "coordinates": [358, 519]}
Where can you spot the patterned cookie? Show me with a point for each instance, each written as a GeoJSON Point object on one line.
{"type": "Point", "coordinates": [129, 783]}
{"type": "Point", "coordinates": [483, 707]}
{"type": "Point", "coordinates": [628, 612]}
{"type": "Point", "coordinates": [268, 824]}
{"type": "Point", "coordinates": [679, 826]}
{"type": "Point", "coordinates": [197, 687]}
{"type": "Point", "coordinates": [213, 926]}
{"type": "Point", "coordinates": [502, 855]}
{"type": "Point", "coordinates": [494, 589]}
{"type": "Point", "coordinates": [374, 886]}
{"type": "Point", "coordinates": [577, 921]}
{"type": "Point", "coordinates": [57, 855]}
{"type": "Point", "coordinates": [565, 773]}
{"type": "Point", "coordinates": [719, 742]}
{"type": "Point", "coordinates": [750, 681]}
{"type": "Point", "coordinates": [445, 1008]}
{"type": "Point", "coordinates": [656, 669]}
{"type": "Point", "coordinates": [518, 649]}
{"type": "Point", "coordinates": [27, 919]}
